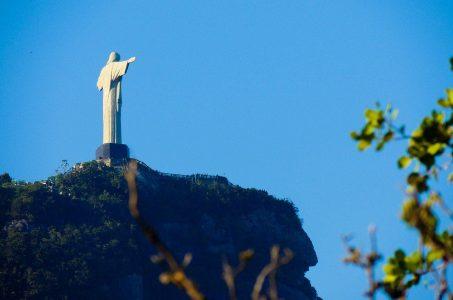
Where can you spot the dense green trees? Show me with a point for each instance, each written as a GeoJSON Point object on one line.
{"type": "Point", "coordinates": [66, 235]}
{"type": "Point", "coordinates": [72, 235]}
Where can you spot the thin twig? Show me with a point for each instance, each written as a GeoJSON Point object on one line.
{"type": "Point", "coordinates": [275, 263]}
{"type": "Point", "coordinates": [176, 274]}
{"type": "Point", "coordinates": [366, 261]}
{"type": "Point", "coordinates": [230, 273]}
{"type": "Point", "coordinates": [443, 289]}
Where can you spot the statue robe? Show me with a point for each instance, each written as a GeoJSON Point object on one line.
{"type": "Point", "coordinates": [109, 82]}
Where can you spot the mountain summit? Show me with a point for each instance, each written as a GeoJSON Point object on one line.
{"type": "Point", "coordinates": [72, 235]}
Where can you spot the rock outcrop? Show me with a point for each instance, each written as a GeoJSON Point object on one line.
{"type": "Point", "coordinates": [213, 219]}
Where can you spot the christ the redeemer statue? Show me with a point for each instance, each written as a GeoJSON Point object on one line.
{"type": "Point", "coordinates": [109, 82]}
{"type": "Point", "coordinates": [112, 150]}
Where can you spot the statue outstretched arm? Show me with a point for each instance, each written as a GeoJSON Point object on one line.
{"type": "Point", "coordinates": [119, 68]}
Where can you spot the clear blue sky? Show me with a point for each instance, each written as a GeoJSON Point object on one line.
{"type": "Point", "coordinates": [264, 92]}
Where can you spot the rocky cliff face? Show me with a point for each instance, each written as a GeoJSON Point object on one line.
{"type": "Point", "coordinates": [77, 239]}
{"type": "Point", "coordinates": [214, 219]}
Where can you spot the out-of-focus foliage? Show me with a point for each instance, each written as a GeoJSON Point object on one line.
{"type": "Point", "coordinates": [429, 151]}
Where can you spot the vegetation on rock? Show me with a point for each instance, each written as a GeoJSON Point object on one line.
{"type": "Point", "coordinates": [72, 235]}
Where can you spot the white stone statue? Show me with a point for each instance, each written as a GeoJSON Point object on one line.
{"type": "Point", "coordinates": [109, 82]}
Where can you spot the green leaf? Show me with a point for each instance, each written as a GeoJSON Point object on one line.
{"type": "Point", "coordinates": [369, 113]}
{"type": "Point", "coordinates": [399, 254]}
{"type": "Point", "coordinates": [390, 278]}
{"type": "Point", "coordinates": [374, 117]}
{"type": "Point", "coordinates": [410, 210]}
{"type": "Point", "coordinates": [438, 117]}
{"type": "Point", "coordinates": [380, 145]}
{"type": "Point", "coordinates": [388, 136]}
{"type": "Point", "coordinates": [418, 181]}
{"type": "Point", "coordinates": [417, 133]}
{"type": "Point", "coordinates": [428, 160]}
{"type": "Point", "coordinates": [404, 162]}
{"type": "Point", "coordinates": [448, 101]}
{"type": "Point", "coordinates": [449, 97]}
{"type": "Point", "coordinates": [388, 268]}
{"type": "Point", "coordinates": [414, 261]}
{"type": "Point", "coordinates": [433, 198]}
{"type": "Point", "coordinates": [363, 144]}
{"type": "Point", "coordinates": [447, 239]}
{"type": "Point", "coordinates": [434, 255]}
{"type": "Point", "coordinates": [444, 103]}
{"type": "Point", "coordinates": [354, 135]}
{"type": "Point", "coordinates": [428, 220]}
{"type": "Point", "coordinates": [369, 129]}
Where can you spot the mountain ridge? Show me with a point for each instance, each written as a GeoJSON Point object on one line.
{"type": "Point", "coordinates": [204, 215]}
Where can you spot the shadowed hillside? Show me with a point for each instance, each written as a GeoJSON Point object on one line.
{"type": "Point", "coordinates": [72, 235]}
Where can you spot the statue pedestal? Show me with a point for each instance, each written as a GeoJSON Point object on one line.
{"type": "Point", "coordinates": [112, 152]}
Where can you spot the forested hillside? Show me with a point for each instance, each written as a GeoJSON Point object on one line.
{"type": "Point", "coordinates": [72, 236]}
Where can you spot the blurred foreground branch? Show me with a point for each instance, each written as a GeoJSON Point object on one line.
{"type": "Point", "coordinates": [366, 261]}
{"type": "Point", "coordinates": [230, 273]}
{"type": "Point", "coordinates": [175, 274]}
{"type": "Point", "coordinates": [269, 271]}
{"type": "Point", "coordinates": [430, 152]}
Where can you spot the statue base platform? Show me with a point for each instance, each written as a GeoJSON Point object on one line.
{"type": "Point", "coordinates": [112, 152]}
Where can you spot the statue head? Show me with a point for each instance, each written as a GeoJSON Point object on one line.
{"type": "Point", "coordinates": [113, 57]}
